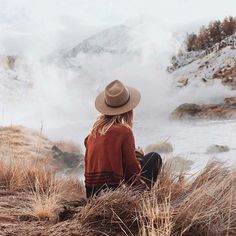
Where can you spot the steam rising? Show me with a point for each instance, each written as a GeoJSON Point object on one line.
{"type": "Point", "coordinates": [61, 99]}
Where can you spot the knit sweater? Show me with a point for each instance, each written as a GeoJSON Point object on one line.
{"type": "Point", "coordinates": [110, 158]}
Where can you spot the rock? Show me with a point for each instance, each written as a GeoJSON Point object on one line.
{"type": "Point", "coordinates": [164, 147]}
{"type": "Point", "coordinates": [68, 146]}
{"type": "Point", "coordinates": [8, 62]}
{"type": "Point", "coordinates": [67, 159]}
{"type": "Point", "coordinates": [182, 81]}
{"type": "Point", "coordinates": [217, 149]}
{"type": "Point", "coordinates": [230, 101]}
{"type": "Point", "coordinates": [210, 111]}
{"type": "Point", "coordinates": [227, 75]}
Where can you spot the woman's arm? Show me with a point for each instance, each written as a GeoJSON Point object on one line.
{"type": "Point", "coordinates": [130, 163]}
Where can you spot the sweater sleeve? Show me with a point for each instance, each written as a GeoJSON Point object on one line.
{"type": "Point", "coordinates": [130, 163]}
{"type": "Point", "coordinates": [85, 141]}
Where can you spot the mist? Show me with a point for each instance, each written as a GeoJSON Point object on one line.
{"type": "Point", "coordinates": [60, 100]}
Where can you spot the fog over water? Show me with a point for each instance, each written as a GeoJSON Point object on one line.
{"type": "Point", "coordinates": [61, 99]}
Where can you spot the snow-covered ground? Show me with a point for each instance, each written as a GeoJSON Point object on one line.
{"type": "Point", "coordinates": [204, 68]}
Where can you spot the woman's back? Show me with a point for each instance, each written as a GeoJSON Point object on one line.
{"type": "Point", "coordinates": [110, 158]}
{"type": "Point", "coordinates": [110, 149]}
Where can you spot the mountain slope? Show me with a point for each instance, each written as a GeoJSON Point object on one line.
{"type": "Point", "coordinates": [112, 40]}
{"type": "Point", "coordinates": [205, 69]}
{"type": "Point", "coordinates": [218, 62]}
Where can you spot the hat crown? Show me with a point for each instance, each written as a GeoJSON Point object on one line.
{"type": "Point", "coordinates": [116, 94]}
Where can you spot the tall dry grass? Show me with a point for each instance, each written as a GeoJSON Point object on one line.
{"type": "Point", "coordinates": [199, 205]}
{"type": "Point", "coordinates": [18, 175]}
{"type": "Point", "coordinates": [43, 191]}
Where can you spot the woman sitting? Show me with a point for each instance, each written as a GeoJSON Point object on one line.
{"type": "Point", "coordinates": [111, 157]}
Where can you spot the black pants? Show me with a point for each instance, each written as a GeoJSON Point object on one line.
{"type": "Point", "coordinates": [150, 168]}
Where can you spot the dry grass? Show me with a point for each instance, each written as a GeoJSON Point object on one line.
{"type": "Point", "coordinates": [42, 190]}
{"type": "Point", "coordinates": [17, 175]}
{"type": "Point", "coordinates": [33, 197]}
{"type": "Point", "coordinates": [155, 218]}
{"type": "Point", "coordinates": [24, 143]}
{"type": "Point", "coordinates": [43, 205]}
{"type": "Point", "coordinates": [115, 211]}
{"type": "Point", "coordinates": [199, 205]}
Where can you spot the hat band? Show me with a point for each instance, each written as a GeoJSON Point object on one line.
{"type": "Point", "coordinates": [116, 106]}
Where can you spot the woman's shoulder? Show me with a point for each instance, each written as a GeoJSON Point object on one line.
{"type": "Point", "coordinates": [114, 130]}
{"type": "Point", "coordinates": [120, 128]}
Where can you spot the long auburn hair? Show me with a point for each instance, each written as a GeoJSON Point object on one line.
{"type": "Point", "coordinates": [104, 122]}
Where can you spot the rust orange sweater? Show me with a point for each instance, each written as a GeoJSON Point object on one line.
{"type": "Point", "coordinates": [110, 158]}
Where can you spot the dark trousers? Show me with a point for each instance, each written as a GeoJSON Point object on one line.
{"type": "Point", "coordinates": [151, 165]}
{"type": "Point", "coordinates": [150, 168]}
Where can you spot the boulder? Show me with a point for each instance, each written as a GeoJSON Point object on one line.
{"type": "Point", "coordinates": [230, 101]}
{"type": "Point", "coordinates": [164, 147]}
{"type": "Point", "coordinates": [8, 62]}
{"type": "Point", "coordinates": [227, 75]}
{"type": "Point", "coordinates": [182, 81]}
{"type": "Point", "coordinates": [67, 159]}
{"type": "Point", "coordinates": [210, 111]}
{"type": "Point", "coordinates": [217, 149]}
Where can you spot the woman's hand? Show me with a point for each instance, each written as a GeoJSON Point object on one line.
{"type": "Point", "coordinates": [139, 153]}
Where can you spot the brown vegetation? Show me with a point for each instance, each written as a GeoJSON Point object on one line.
{"type": "Point", "coordinates": [215, 32]}
{"type": "Point", "coordinates": [24, 144]}
{"type": "Point", "coordinates": [33, 201]}
{"type": "Point", "coordinates": [36, 201]}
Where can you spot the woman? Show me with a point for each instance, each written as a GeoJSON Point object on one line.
{"type": "Point", "coordinates": [111, 157]}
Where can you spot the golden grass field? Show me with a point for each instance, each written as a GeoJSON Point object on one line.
{"type": "Point", "coordinates": [35, 201]}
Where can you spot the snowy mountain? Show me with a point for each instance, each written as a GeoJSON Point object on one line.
{"type": "Point", "coordinates": [116, 45]}
{"type": "Point", "coordinates": [115, 40]}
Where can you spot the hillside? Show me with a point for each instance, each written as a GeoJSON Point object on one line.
{"type": "Point", "coordinates": [216, 64]}
{"type": "Point", "coordinates": [205, 66]}
{"type": "Point", "coordinates": [113, 40]}
{"type": "Point", "coordinates": [28, 145]}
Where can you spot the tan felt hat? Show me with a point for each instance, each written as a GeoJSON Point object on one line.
{"type": "Point", "coordinates": [117, 99]}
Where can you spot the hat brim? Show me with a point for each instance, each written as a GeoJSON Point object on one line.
{"type": "Point", "coordinates": [103, 108]}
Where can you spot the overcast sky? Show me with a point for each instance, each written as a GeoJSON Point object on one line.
{"type": "Point", "coordinates": [62, 23]}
